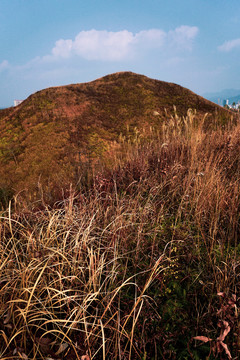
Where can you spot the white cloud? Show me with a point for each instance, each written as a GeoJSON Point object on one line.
{"type": "Point", "coordinates": [63, 48]}
{"type": "Point", "coordinates": [229, 45]}
{"type": "Point", "coordinates": [103, 45]}
{"type": "Point", "coordinates": [120, 45]}
{"type": "Point", "coordinates": [183, 36]}
{"type": "Point", "coordinates": [96, 45]}
{"type": "Point", "coordinates": [4, 65]}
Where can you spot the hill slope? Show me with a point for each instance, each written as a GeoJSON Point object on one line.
{"type": "Point", "coordinates": [48, 137]}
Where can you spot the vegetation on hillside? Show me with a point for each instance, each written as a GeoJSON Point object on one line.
{"type": "Point", "coordinates": [140, 261]}
{"type": "Point", "coordinates": [51, 137]}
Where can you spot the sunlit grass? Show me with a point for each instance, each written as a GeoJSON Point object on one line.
{"type": "Point", "coordinates": [130, 264]}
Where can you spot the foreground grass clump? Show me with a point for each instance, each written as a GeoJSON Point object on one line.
{"type": "Point", "coordinates": [142, 262]}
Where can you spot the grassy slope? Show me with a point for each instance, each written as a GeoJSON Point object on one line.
{"type": "Point", "coordinates": [56, 133]}
{"type": "Point", "coordinates": [138, 264]}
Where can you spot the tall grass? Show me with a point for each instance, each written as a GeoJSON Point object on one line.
{"type": "Point", "coordinates": [135, 263]}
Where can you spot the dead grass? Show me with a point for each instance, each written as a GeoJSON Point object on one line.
{"type": "Point", "coordinates": [131, 264]}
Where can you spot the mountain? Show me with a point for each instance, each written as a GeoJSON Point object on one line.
{"type": "Point", "coordinates": [233, 95]}
{"type": "Point", "coordinates": [235, 99]}
{"type": "Point", "coordinates": [55, 132]}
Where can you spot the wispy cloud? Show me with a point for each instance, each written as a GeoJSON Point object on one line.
{"type": "Point", "coordinates": [115, 46]}
{"type": "Point", "coordinates": [4, 65]}
{"type": "Point", "coordinates": [230, 45]}
{"type": "Point", "coordinates": [183, 36]}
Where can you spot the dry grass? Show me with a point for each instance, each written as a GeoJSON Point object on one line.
{"type": "Point", "coordinates": [129, 266]}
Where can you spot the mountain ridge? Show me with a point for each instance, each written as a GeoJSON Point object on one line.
{"type": "Point", "coordinates": [107, 78]}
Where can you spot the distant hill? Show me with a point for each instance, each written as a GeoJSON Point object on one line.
{"type": "Point", "coordinates": [48, 136]}
{"type": "Point", "coordinates": [235, 99]}
{"type": "Point", "coordinates": [233, 95]}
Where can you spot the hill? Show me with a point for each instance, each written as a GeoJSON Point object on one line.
{"type": "Point", "coordinates": [49, 137]}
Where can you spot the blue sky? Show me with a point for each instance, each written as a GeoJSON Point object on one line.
{"type": "Point", "coordinates": [194, 43]}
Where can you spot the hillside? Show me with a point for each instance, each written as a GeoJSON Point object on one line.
{"type": "Point", "coordinates": [50, 137]}
{"type": "Point", "coordinates": [141, 264]}
{"type": "Point", "coordinates": [139, 259]}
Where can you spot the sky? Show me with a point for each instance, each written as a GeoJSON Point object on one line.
{"type": "Point", "coordinates": [44, 43]}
